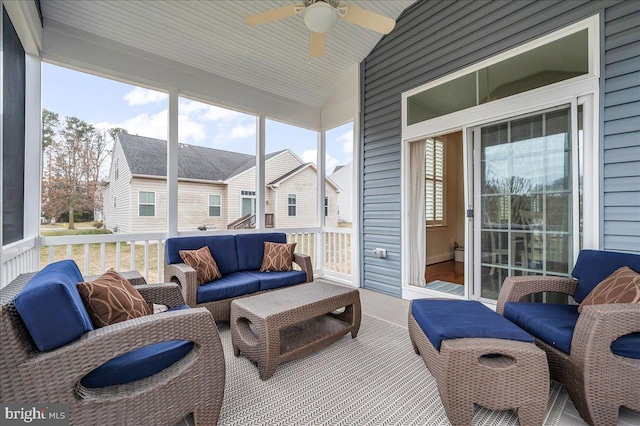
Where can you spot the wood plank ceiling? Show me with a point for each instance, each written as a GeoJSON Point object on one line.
{"type": "Point", "coordinates": [212, 36]}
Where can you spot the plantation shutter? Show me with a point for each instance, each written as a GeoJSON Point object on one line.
{"type": "Point", "coordinates": [434, 182]}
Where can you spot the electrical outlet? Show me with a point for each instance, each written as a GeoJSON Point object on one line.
{"type": "Point", "coordinates": [380, 253]}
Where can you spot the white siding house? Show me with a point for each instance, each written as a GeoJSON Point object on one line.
{"type": "Point", "coordinates": [215, 188]}
{"type": "Point", "coordinates": [343, 177]}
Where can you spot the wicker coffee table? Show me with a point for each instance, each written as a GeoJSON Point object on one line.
{"type": "Point", "coordinates": [282, 325]}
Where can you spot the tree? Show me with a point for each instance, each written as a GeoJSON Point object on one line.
{"type": "Point", "coordinates": [74, 156]}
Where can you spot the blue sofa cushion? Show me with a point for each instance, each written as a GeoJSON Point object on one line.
{"type": "Point", "coordinates": [455, 319]}
{"type": "Point", "coordinates": [232, 285]}
{"type": "Point", "coordinates": [51, 308]}
{"type": "Point", "coordinates": [222, 248]}
{"type": "Point", "coordinates": [594, 266]}
{"type": "Point", "coordinates": [275, 279]}
{"type": "Point", "coordinates": [251, 248]}
{"type": "Point", "coordinates": [138, 364]}
{"type": "Point", "coordinates": [554, 325]}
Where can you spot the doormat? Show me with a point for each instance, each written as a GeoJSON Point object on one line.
{"type": "Point", "coordinates": [445, 287]}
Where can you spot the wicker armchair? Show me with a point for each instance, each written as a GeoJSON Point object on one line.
{"type": "Point", "coordinates": [597, 380]}
{"type": "Point", "coordinates": [193, 384]}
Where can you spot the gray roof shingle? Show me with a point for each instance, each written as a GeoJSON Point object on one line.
{"type": "Point", "coordinates": [148, 156]}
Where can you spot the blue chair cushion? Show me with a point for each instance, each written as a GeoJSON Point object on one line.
{"type": "Point", "coordinates": [594, 266]}
{"type": "Point", "coordinates": [276, 279]}
{"type": "Point", "coordinates": [51, 308]}
{"type": "Point", "coordinates": [138, 364]}
{"type": "Point", "coordinates": [551, 323]}
{"type": "Point", "coordinates": [251, 248]}
{"type": "Point", "coordinates": [554, 325]}
{"type": "Point", "coordinates": [455, 319]}
{"type": "Point", "coordinates": [232, 285]}
{"type": "Point", "coordinates": [222, 247]}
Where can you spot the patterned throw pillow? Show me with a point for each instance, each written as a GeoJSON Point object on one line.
{"type": "Point", "coordinates": [202, 261]}
{"type": "Point", "coordinates": [277, 257]}
{"type": "Point", "coordinates": [623, 286]}
{"type": "Point", "coordinates": [110, 299]}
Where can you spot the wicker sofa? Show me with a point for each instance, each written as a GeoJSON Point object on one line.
{"type": "Point", "coordinates": [239, 258]}
{"type": "Point", "coordinates": [595, 353]}
{"type": "Point", "coordinates": [147, 371]}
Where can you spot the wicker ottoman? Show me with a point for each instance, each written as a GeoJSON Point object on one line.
{"type": "Point", "coordinates": [494, 372]}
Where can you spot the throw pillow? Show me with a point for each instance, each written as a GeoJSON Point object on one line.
{"type": "Point", "coordinates": [204, 264]}
{"type": "Point", "coordinates": [623, 286]}
{"type": "Point", "coordinates": [277, 257]}
{"type": "Point", "coordinates": [110, 299]}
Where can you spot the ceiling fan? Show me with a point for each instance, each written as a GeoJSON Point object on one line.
{"type": "Point", "coordinates": [321, 15]}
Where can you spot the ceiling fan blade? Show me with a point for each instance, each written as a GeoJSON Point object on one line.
{"type": "Point", "coordinates": [272, 15]}
{"type": "Point", "coordinates": [367, 19]}
{"type": "Point", "coordinates": [318, 42]}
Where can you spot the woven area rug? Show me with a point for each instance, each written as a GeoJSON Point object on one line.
{"type": "Point", "coordinates": [374, 379]}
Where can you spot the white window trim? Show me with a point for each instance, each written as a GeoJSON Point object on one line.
{"type": "Point", "coordinates": [214, 205]}
{"type": "Point", "coordinates": [148, 204]}
{"type": "Point", "coordinates": [585, 88]}
{"type": "Point", "coordinates": [117, 169]}
{"type": "Point", "coordinates": [295, 205]}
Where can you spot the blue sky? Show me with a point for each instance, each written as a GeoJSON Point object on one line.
{"type": "Point", "coordinates": [107, 103]}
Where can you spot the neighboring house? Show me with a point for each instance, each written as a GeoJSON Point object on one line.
{"type": "Point", "coordinates": [216, 188]}
{"type": "Point", "coordinates": [343, 177]}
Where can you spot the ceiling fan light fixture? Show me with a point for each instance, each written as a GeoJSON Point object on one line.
{"type": "Point", "coordinates": [320, 17]}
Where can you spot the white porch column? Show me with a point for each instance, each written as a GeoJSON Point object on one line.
{"type": "Point", "coordinates": [172, 164]}
{"type": "Point", "coordinates": [33, 151]}
{"type": "Point", "coordinates": [320, 244]}
{"type": "Point", "coordinates": [260, 164]}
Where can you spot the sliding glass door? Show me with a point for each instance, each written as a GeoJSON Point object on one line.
{"type": "Point", "coordinates": [525, 197]}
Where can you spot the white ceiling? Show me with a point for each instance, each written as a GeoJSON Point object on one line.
{"type": "Point", "coordinates": [211, 35]}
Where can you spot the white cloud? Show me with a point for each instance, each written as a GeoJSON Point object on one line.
{"type": "Point", "coordinates": [141, 96]}
{"type": "Point", "coordinates": [239, 131]}
{"type": "Point", "coordinates": [347, 141]}
{"type": "Point", "coordinates": [155, 126]}
{"type": "Point", "coordinates": [311, 156]}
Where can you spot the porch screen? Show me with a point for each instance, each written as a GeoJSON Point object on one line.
{"type": "Point", "coordinates": [13, 127]}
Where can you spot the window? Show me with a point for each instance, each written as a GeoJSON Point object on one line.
{"type": "Point", "coordinates": [117, 173]}
{"type": "Point", "coordinates": [146, 203]}
{"type": "Point", "coordinates": [248, 203]}
{"type": "Point", "coordinates": [114, 203]}
{"type": "Point", "coordinates": [291, 204]}
{"type": "Point", "coordinates": [215, 205]}
{"type": "Point", "coordinates": [434, 182]}
{"type": "Point", "coordinates": [537, 67]}
{"type": "Point", "coordinates": [326, 206]}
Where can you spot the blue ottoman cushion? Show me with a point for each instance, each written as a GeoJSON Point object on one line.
{"type": "Point", "coordinates": [51, 308]}
{"type": "Point", "coordinates": [455, 319]}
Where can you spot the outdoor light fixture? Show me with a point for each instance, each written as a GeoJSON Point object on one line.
{"type": "Point", "coordinates": [320, 17]}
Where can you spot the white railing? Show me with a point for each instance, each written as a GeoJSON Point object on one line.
{"type": "Point", "coordinates": [18, 258]}
{"type": "Point", "coordinates": [338, 262]}
{"type": "Point", "coordinates": [94, 254]}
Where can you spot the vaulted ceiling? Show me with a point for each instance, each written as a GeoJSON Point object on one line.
{"type": "Point", "coordinates": [211, 35]}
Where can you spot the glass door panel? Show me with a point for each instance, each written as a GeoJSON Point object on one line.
{"type": "Point", "coordinates": [526, 198]}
